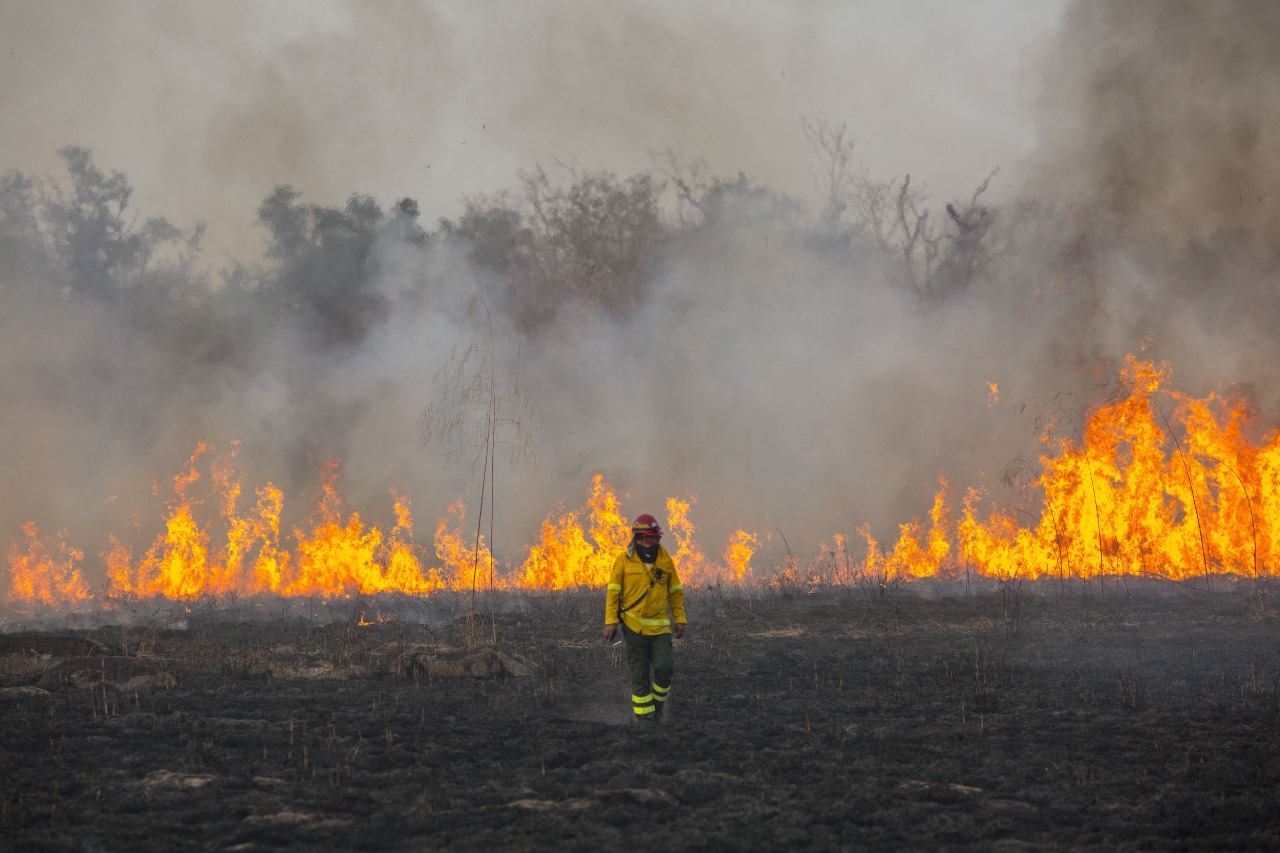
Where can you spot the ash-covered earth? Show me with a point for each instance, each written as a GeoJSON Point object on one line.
{"type": "Point", "coordinates": [1125, 716]}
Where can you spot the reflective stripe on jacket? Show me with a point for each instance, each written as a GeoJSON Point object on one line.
{"type": "Point", "coordinates": [651, 600]}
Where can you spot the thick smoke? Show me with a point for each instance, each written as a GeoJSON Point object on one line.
{"type": "Point", "coordinates": [801, 368]}
{"type": "Point", "coordinates": [1161, 138]}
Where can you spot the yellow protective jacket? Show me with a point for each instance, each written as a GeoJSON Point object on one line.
{"type": "Point", "coordinates": [647, 601]}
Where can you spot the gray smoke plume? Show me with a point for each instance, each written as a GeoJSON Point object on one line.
{"type": "Point", "coordinates": [1160, 139]}
{"type": "Point", "coordinates": [801, 366]}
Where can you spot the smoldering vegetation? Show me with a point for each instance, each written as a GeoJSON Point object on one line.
{"type": "Point", "coordinates": [798, 367]}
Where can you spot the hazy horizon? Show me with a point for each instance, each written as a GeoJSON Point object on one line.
{"type": "Point", "coordinates": [787, 384]}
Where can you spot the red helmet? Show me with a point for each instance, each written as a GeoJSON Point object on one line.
{"type": "Point", "coordinates": [646, 526]}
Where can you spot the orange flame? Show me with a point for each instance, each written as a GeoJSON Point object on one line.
{"type": "Point", "coordinates": [737, 554]}
{"type": "Point", "coordinates": [1144, 492]}
{"type": "Point", "coordinates": [467, 563]}
{"type": "Point", "coordinates": [567, 555]}
{"type": "Point", "coordinates": [1158, 483]}
{"type": "Point", "coordinates": [43, 575]}
{"type": "Point", "coordinates": [690, 562]}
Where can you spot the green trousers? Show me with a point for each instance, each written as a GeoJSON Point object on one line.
{"type": "Point", "coordinates": [651, 661]}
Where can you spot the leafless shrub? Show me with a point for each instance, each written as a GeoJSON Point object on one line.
{"type": "Point", "coordinates": [879, 586]}
{"type": "Point", "coordinates": [1260, 605]}
{"type": "Point", "coordinates": [1012, 598]}
{"type": "Point", "coordinates": [894, 217]}
{"type": "Point", "coordinates": [480, 407]}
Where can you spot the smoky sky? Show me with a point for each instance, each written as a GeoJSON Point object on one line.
{"type": "Point", "coordinates": [207, 107]}
{"type": "Point", "coordinates": [791, 388]}
{"type": "Point", "coordinates": [1160, 132]}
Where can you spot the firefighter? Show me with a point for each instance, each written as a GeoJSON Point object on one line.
{"type": "Point", "coordinates": [645, 598]}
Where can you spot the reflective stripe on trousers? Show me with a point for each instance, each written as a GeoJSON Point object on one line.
{"type": "Point", "coordinates": [651, 663]}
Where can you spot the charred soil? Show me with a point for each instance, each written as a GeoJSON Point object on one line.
{"type": "Point", "coordinates": [1022, 717]}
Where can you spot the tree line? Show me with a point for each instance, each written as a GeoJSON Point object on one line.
{"type": "Point", "coordinates": [563, 236]}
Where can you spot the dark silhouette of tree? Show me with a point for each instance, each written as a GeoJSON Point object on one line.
{"type": "Point", "coordinates": [967, 253]}
{"type": "Point", "coordinates": [326, 275]}
{"type": "Point", "coordinates": [590, 240]}
{"type": "Point", "coordinates": [599, 236]}
{"type": "Point", "coordinates": [707, 204]}
{"type": "Point", "coordinates": [894, 217]}
{"type": "Point", "coordinates": [23, 253]}
{"type": "Point", "coordinates": [500, 245]}
{"type": "Point", "coordinates": [84, 241]}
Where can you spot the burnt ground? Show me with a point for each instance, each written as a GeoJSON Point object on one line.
{"type": "Point", "coordinates": [1022, 718]}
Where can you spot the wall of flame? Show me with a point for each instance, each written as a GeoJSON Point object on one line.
{"type": "Point", "coordinates": [1157, 483]}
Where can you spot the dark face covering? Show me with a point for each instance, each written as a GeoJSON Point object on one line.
{"type": "Point", "coordinates": [648, 552]}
